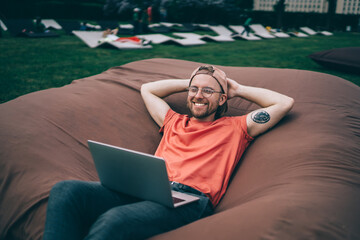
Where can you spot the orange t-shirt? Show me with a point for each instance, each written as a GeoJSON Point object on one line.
{"type": "Point", "coordinates": [203, 155]}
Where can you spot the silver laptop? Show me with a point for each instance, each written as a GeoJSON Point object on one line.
{"type": "Point", "coordinates": [137, 174]}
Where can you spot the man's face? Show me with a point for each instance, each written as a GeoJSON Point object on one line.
{"type": "Point", "coordinates": [203, 108]}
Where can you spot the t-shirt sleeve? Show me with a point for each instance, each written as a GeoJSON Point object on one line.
{"type": "Point", "coordinates": [241, 121]}
{"type": "Point", "coordinates": [169, 115]}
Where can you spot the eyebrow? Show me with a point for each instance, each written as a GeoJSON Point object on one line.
{"type": "Point", "coordinates": [203, 87]}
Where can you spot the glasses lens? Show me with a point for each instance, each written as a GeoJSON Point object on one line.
{"type": "Point", "coordinates": [207, 92]}
{"type": "Point", "coordinates": [193, 91]}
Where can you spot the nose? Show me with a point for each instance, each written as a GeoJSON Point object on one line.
{"type": "Point", "coordinates": [199, 94]}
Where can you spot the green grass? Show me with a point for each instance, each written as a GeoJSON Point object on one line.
{"type": "Point", "coordinates": [28, 65]}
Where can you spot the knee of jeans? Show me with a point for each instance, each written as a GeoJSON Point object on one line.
{"type": "Point", "coordinates": [64, 186]}
{"type": "Point", "coordinates": [110, 224]}
{"type": "Point", "coordinates": [65, 189]}
{"type": "Point", "coordinates": [113, 218]}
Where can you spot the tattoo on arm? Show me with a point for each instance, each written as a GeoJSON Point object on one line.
{"type": "Point", "coordinates": [260, 117]}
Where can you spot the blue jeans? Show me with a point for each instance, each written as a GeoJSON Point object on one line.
{"type": "Point", "coordinates": [88, 210]}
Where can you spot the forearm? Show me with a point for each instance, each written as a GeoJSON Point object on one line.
{"type": "Point", "coordinates": [154, 92]}
{"type": "Point", "coordinates": [261, 96]}
{"type": "Point", "coordinates": [164, 88]}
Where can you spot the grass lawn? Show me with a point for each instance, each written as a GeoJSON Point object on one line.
{"type": "Point", "coordinates": [28, 65]}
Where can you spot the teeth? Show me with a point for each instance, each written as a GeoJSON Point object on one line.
{"type": "Point", "coordinates": [199, 104]}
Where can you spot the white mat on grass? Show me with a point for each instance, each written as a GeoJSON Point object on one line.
{"type": "Point", "coordinates": [93, 40]}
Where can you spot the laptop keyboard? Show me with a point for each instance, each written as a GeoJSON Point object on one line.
{"type": "Point", "coordinates": [177, 200]}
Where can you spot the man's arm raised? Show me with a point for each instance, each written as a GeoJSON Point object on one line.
{"type": "Point", "coordinates": [274, 106]}
{"type": "Point", "coordinates": [154, 92]}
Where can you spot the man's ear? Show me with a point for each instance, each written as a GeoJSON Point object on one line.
{"type": "Point", "coordinates": [223, 99]}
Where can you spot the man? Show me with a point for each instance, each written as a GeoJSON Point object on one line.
{"type": "Point", "coordinates": [39, 27]}
{"type": "Point", "coordinates": [247, 26]}
{"type": "Point", "coordinates": [136, 21]}
{"type": "Point", "coordinates": [200, 150]}
{"type": "Point", "coordinates": [214, 143]}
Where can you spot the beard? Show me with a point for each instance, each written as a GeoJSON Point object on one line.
{"type": "Point", "coordinates": [204, 113]}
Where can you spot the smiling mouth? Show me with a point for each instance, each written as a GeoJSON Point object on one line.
{"type": "Point", "coordinates": [199, 104]}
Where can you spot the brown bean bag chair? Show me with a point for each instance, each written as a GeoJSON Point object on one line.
{"type": "Point", "coordinates": [342, 59]}
{"type": "Point", "coordinates": [299, 181]}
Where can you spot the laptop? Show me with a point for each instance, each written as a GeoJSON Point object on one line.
{"type": "Point", "coordinates": [137, 174]}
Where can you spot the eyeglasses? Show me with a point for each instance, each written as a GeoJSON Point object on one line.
{"type": "Point", "coordinates": [206, 92]}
